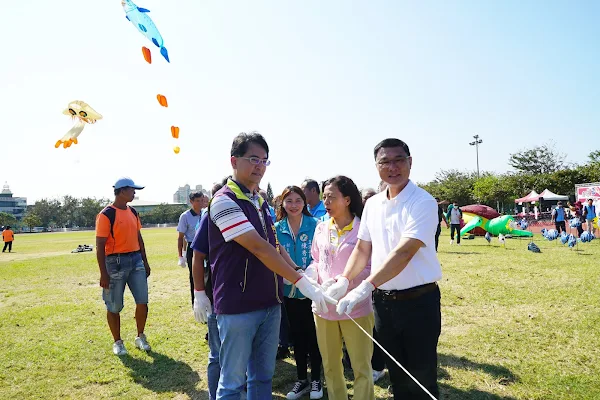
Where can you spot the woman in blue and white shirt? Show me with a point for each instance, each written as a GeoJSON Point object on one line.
{"type": "Point", "coordinates": [295, 229]}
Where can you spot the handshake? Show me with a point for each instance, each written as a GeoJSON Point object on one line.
{"type": "Point", "coordinates": [332, 291]}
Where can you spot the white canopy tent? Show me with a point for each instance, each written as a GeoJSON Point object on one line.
{"type": "Point", "coordinates": [549, 196]}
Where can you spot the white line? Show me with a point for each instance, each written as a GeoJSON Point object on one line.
{"type": "Point", "coordinates": [390, 356]}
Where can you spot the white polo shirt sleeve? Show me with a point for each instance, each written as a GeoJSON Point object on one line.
{"type": "Point", "coordinates": [229, 218]}
{"type": "Point", "coordinates": [363, 229]}
{"type": "Point", "coordinates": [422, 222]}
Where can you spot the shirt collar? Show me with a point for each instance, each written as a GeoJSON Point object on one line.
{"type": "Point", "coordinates": [345, 229]}
{"type": "Point", "coordinates": [403, 195]}
{"type": "Point", "coordinates": [194, 214]}
{"type": "Point", "coordinates": [242, 192]}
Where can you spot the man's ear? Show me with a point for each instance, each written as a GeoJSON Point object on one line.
{"type": "Point", "coordinates": [233, 162]}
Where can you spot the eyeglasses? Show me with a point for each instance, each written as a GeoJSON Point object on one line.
{"type": "Point", "coordinates": [388, 163]}
{"type": "Point", "coordinates": [256, 161]}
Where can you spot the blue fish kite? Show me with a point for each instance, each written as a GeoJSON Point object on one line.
{"type": "Point", "coordinates": [139, 18]}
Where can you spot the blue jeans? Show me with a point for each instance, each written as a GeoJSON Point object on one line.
{"type": "Point", "coordinates": [214, 368]}
{"type": "Point", "coordinates": [248, 343]}
{"type": "Point", "coordinates": [126, 269]}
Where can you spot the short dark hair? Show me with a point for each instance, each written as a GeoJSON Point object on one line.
{"type": "Point", "coordinates": [312, 184]}
{"type": "Point", "coordinates": [196, 195]}
{"type": "Point", "coordinates": [218, 185]}
{"type": "Point", "coordinates": [118, 191]}
{"type": "Point", "coordinates": [239, 147]}
{"type": "Point", "coordinates": [348, 189]}
{"type": "Point", "coordinates": [391, 142]}
{"type": "Point", "coordinates": [559, 203]}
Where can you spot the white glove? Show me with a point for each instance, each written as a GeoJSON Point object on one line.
{"type": "Point", "coordinates": [327, 284]}
{"type": "Point", "coordinates": [202, 306]}
{"type": "Point", "coordinates": [181, 261]}
{"type": "Point", "coordinates": [355, 296]}
{"type": "Point", "coordinates": [339, 288]}
{"type": "Point", "coordinates": [312, 273]}
{"type": "Point", "coordinates": [315, 293]}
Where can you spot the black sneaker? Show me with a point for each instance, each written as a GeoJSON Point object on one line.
{"type": "Point", "coordinates": [316, 390]}
{"type": "Point", "coordinates": [300, 389]}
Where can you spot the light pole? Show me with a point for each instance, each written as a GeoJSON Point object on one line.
{"type": "Point", "coordinates": [476, 143]}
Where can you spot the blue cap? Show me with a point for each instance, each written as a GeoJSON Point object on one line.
{"type": "Point", "coordinates": [126, 182]}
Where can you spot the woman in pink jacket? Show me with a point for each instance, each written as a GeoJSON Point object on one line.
{"type": "Point", "coordinates": [332, 245]}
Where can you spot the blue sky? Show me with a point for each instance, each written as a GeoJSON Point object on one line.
{"type": "Point", "coordinates": [323, 81]}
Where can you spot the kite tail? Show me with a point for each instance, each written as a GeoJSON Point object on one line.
{"type": "Point", "coordinates": [165, 53]}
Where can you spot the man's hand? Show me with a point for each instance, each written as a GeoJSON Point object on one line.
{"type": "Point", "coordinates": [339, 288]}
{"type": "Point", "coordinates": [355, 296]}
{"type": "Point", "coordinates": [314, 293]}
{"type": "Point", "coordinates": [147, 270]}
{"type": "Point", "coordinates": [104, 280]}
{"type": "Point", "coordinates": [202, 306]}
{"type": "Point", "coordinates": [181, 262]}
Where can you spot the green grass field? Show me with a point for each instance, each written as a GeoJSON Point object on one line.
{"type": "Point", "coordinates": [515, 325]}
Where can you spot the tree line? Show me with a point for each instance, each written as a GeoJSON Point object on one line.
{"type": "Point", "coordinates": [538, 168]}
{"type": "Point", "coordinates": [70, 212]}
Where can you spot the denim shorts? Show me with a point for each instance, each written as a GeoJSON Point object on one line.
{"type": "Point", "coordinates": [125, 269]}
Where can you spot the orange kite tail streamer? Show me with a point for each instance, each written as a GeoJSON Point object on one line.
{"type": "Point", "coordinates": [162, 100]}
{"type": "Point", "coordinates": [147, 55]}
{"type": "Point", "coordinates": [175, 132]}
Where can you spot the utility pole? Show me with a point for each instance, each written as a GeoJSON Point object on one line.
{"type": "Point", "coordinates": [476, 143]}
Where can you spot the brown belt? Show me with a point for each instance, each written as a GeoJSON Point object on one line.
{"type": "Point", "coordinates": [406, 294]}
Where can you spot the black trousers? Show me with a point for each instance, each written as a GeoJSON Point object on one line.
{"type": "Point", "coordinates": [379, 358]}
{"type": "Point", "coordinates": [560, 226]}
{"type": "Point", "coordinates": [409, 330]}
{"type": "Point", "coordinates": [455, 227]}
{"type": "Point", "coordinates": [189, 254]}
{"type": "Point", "coordinates": [304, 335]}
{"type": "Point", "coordinates": [9, 245]}
{"type": "Point", "coordinates": [437, 236]}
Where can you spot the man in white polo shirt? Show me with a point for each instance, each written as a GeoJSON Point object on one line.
{"type": "Point", "coordinates": [397, 235]}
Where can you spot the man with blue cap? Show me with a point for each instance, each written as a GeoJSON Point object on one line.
{"type": "Point", "coordinates": [122, 261]}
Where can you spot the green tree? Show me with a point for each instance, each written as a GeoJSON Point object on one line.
{"type": "Point", "coordinates": [70, 211]}
{"type": "Point", "coordinates": [30, 220]}
{"type": "Point", "coordinates": [594, 156]}
{"type": "Point", "coordinates": [455, 185]}
{"type": "Point", "coordinates": [542, 159]}
{"type": "Point", "coordinates": [49, 212]}
{"type": "Point", "coordinates": [7, 219]}
{"type": "Point", "coordinates": [269, 194]}
{"type": "Point", "coordinates": [491, 190]}
{"type": "Point", "coordinates": [89, 209]}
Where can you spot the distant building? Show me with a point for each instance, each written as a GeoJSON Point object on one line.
{"type": "Point", "coordinates": [182, 195]}
{"type": "Point", "coordinates": [15, 206]}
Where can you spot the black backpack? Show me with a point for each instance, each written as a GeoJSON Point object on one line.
{"type": "Point", "coordinates": [111, 214]}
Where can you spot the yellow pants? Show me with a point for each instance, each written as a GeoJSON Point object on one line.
{"type": "Point", "coordinates": [360, 350]}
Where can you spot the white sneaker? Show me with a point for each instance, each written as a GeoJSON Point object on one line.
{"type": "Point", "coordinates": [316, 390]}
{"type": "Point", "coordinates": [119, 348]}
{"type": "Point", "coordinates": [451, 241]}
{"type": "Point", "coordinates": [377, 375]}
{"type": "Point", "coordinates": [141, 343]}
{"type": "Point", "coordinates": [458, 244]}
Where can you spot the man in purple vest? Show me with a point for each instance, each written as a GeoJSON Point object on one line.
{"type": "Point", "coordinates": [247, 267]}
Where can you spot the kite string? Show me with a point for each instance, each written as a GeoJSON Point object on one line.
{"type": "Point", "coordinates": [393, 359]}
